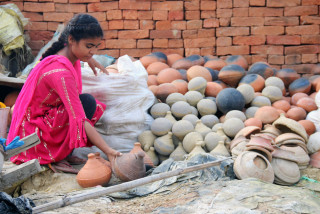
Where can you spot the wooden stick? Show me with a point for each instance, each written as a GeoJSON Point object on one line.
{"type": "Point", "coordinates": [121, 187]}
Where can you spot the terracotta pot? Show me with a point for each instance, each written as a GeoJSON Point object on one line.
{"type": "Point", "coordinates": [315, 160]}
{"type": "Point", "coordinates": [136, 149]}
{"type": "Point", "coordinates": [284, 154]}
{"type": "Point", "coordinates": [301, 156]}
{"type": "Point", "coordinates": [213, 89]}
{"type": "Point", "coordinates": [267, 114]}
{"type": "Point", "coordinates": [261, 141]}
{"type": "Point", "coordinates": [220, 149]}
{"type": "Point", "coordinates": [238, 140]}
{"type": "Point", "coordinates": [238, 60]}
{"type": "Point", "coordinates": [287, 75]}
{"type": "Point", "coordinates": [238, 149]}
{"type": "Point", "coordinates": [255, 80]}
{"type": "Point", "coordinates": [181, 85]}
{"type": "Point", "coordinates": [286, 171]}
{"type": "Point", "coordinates": [288, 136]}
{"type": "Point", "coordinates": [248, 131]}
{"type": "Point", "coordinates": [296, 113]}
{"type": "Point", "coordinates": [155, 68]}
{"type": "Point", "coordinates": [164, 90]}
{"type": "Point", "coordinates": [215, 64]}
{"type": "Point", "coordinates": [129, 166]}
{"type": "Point", "coordinates": [272, 130]}
{"type": "Point", "coordinates": [168, 75]}
{"type": "Point", "coordinates": [307, 104]}
{"type": "Point", "coordinates": [104, 161]}
{"type": "Point", "coordinates": [308, 126]}
{"type": "Point", "coordinates": [253, 122]}
{"type": "Point", "coordinates": [281, 104]}
{"type": "Point", "coordinates": [93, 173]}
{"type": "Point", "coordinates": [196, 150]}
{"type": "Point", "coordinates": [154, 157]}
{"type": "Point", "coordinates": [302, 85]}
{"type": "Point", "coordinates": [261, 151]}
{"type": "Point", "coordinates": [152, 80]}
{"type": "Point", "coordinates": [231, 74]}
{"type": "Point", "coordinates": [296, 97]}
{"type": "Point", "coordinates": [199, 71]}
{"type": "Point", "coordinates": [261, 68]}
{"type": "Point", "coordinates": [172, 58]}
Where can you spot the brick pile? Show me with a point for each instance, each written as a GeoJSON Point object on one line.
{"type": "Point", "coordinates": [284, 33]}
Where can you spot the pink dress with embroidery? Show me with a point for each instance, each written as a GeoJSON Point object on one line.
{"type": "Point", "coordinates": [54, 112]}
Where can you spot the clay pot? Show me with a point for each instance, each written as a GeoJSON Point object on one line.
{"type": "Point", "coordinates": [179, 153]}
{"type": "Point", "coordinates": [260, 101]}
{"type": "Point", "coordinates": [202, 129]}
{"type": "Point", "coordinates": [154, 157]}
{"type": "Point", "coordinates": [196, 150]}
{"type": "Point", "coordinates": [287, 75]}
{"type": "Point", "coordinates": [284, 154]}
{"type": "Point", "coordinates": [212, 139]}
{"type": "Point", "coordinates": [238, 140]}
{"type": "Point", "coordinates": [275, 81]}
{"type": "Point", "coordinates": [281, 104]}
{"type": "Point", "coordinates": [188, 62]}
{"type": "Point", "coordinates": [146, 138]}
{"type": "Point", "coordinates": [136, 149]}
{"type": "Point", "coordinates": [197, 84]}
{"type": "Point", "coordinates": [232, 126]}
{"type": "Point", "coordinates": [191, 118]}
{"type": "Point", "coordinates": [175, 97]}
{"type": "Point", "coordinates": [296, 113]}
{"type": "Point", "coordinates": [238, 149]}
{"type": "Point", "coordinates": [315, 160]}
{"type": "Point", "coordinates": [155, 68]}
{"type": "Point", "coordinates": [273, 93]}
{"type": "Point", "coordinates": [314, 143]}
{"type": "Point", "coordinates": [93, 173]}
{"type": "Point", "coordinates": [296, 97]}
{"type": "Point", "coordinates": [235, 114]}
{"type": "Point", "coordinates": [209, 120]}
{"type": "Point", "coordinates": [253, 122]}
{"type": "Point", "coordinates": [189, 141]}
{"type": "Point", "coordinates": [237, 60]}
{"type": "Point", "coordinates": [152, 80]}
{"type": "Point", "coordinates": [261, 68]}
{"type": "Point", "coordinates": [267, 114]}
{"type": "Point", "coordinates": [105, 162]}
{"type": "Point", "coordinates": [149, 59]}
{"type": "Point", "coordinates": [164, 90]}
{"type": "Point", "coordinates": [248, 131]}
{"type": "Point", "coordinates": [230, 99]}
{"type": "Point", "coordinates": [288, 136]}
{"type": "Point", "coordinates": [172, 58]}
{"type": "Point", "coordinates": [308, 126]}
{"type": "Point", "coordinates": [161, 126]}
{"type": "Point", "coordinates": [261, 141]}
{"type": "Point", "coordinates": [231, 74]}
{"type": "Point", "coordinates": [181, 85]}
{"type": "Point", "coordinates": [307, 104]}
{"type": "Point", "coordinates": [247, 91]}
{"type": "Point", "coordinates": [255, 80]}
{"type": "Point", "coordinates": [170, 117]}
{"type": "Point", "coordinates": [261, 151]}
{"type": "Point", "coordinates": [129, 166]}
{"type": "Point", "coordinates": [251, 111]}
{"type": "Point", "coordinates": [153, 89]}
{"type": "Point", "coordinates": [302, 158]}
{"type": "Point", "coordinates": [168, 75]}
{"type": "Point", "coordinates": [206, 107]}
{"type": "Point", "coordinates": [220, 149]}
{"type": "Point", "coordinates": [199, 71]}
{"type": "Point", "coordinates": [300, 85]}
{"type": "Point", "coordinates": [286, 171]}
{"type": "Point", "coordinates": [193, 97]}
{"type": "Point", "coordinates": [213, 89]}
{"type": "Point", "coordinates": [271, 131]}
{"type": "Point", "coordinates": [159, 110]}
{"type": "Point", "coordinates": [252, 164]}
{"type": "Point", "coordinates": [215, 64]}
{"type": "Point", "coordinates": [164, 145]}
{"type": "Point", "coordinates": [180, 109]}
{"type": "Point", "coordinates": [181, 128]}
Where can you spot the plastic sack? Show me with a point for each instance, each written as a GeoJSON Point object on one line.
{"type": "Point", "coordinates": [127, 97]}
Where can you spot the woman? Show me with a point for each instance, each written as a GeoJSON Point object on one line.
{"type": "Point", "coordinates": [51, 104]}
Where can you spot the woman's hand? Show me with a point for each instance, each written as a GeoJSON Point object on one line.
{"type": "Point", "coordinates": [94, 64]}
{"type": "Point", "coordinates": [112, 154]}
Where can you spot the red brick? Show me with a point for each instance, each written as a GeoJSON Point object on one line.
{"type": "Point", "coordinates": [37, 26]}
{"type": "Point", "coordinates": [165, 34]}
{"type": "Point", "coordinates": [33, 17]}
{"type": "Point", "coordinates": [114, 53]}
{"type": "Point", "coordinates": [283, 40]}
{"type": "Point", "coordinates": [224, 3]}
{"type": "Point", "coordinates": [240, 3]}
{"type": "Point", "coordinates": [304, 20]}
{"type": "Point", "coordinates": [116, 24]}
{"type": "Point", "coordinates": [135, 52]}
{"type": "Point", "coordinates": [192, 51]}
{"type": "Point", "coordinates": [208, 5]}
{"type": "Point", "coordinates": [224, 13]}
{"type": "Point", "coordinates": [145, 15]}
{"type": "Point", "coordinates": [259, 58]}
{"type": "Point", "coordinates": [36, 45]}
{"type": "Point", "coordinates": [53, 26]}
{"type": "Point", "coordinates": [120, 43]}
{"type": "Point", "coordinates": [224, 22]}
{"type": "Point", "coordinates": [83, 1]}
{"type": "Point", "coordinates": [167, 5]}
{"type": "Point", "coordinates": [249, 40]}
{"type": "Point", "coordinates": [267, 49]}
{"type": "Point", "coordinates": [257, 2]}
{"type": "Point", "coordinates": [232, 31]}
{"type": "Point", "coordinates": [190, 34]}
{"type": "Point", "coordinates": [178, 25]}
{"type": "Point", "coordinates": [302, 49]}
{"type": "Point", "coordinates": [60, 1]}
{"type": "Point", "coordinates": [303, 30]}
{"type": "Point", "coordinates": [242, 12]}
{"type": "Point", "coordinates": [100, 16]}
{"type": "Point", "coordinates": [310, 2]}
{"type": "Point", "coordinates": [310, 39]}
{"type": "Point", "coordinates": [160, 15]}
{"type": "Point", "coordinates": [160, 43]}
{"type": "Point", "coordinates": [104, 25]}
{"type": "Point", "coordinates": [38, 7]}
{"type": "Point", "coordinates": [281, 21]}
{"type": "Point", "coordinates": [301, 69]}
{"type": "Point", "coordinates": [146, 24]}
{"type": "Point", "coordinates": [114, 14]}
{"type": "Point", "coordinates": [130, 14]}
{"type": "Point", "coordinates": [207, 51]}
{"type": "Point", "coordinates": [199, 42]}
{"type": "Point", "coordinates": [267, 30]}
{"type": "Point", "coordinates": [309, 58]}
{"type": "Point", "coordinates": [131, 24]}
{"type": "Point", "coordinates": [205, 33]}
{"type": "Point", "coordinates": [175, 43]}
{"type": "Point", "coordinates": [167, 51]}
{"type": "Point", "coordinates": [194, 24]}
{"type": "Point", "coordinates": [210, 23]}
{"type": "Point", "coordinates": [192, 5]}
{"type": "Point", "coordinates": [301, 11]}
{"type": "Point", "coordinates": [276, 59]}
{"type": "Point", "coordinates": [134, 5]}
{"type": "Point", "coordinates": [283, 3]}
{"type": "Point", "coordinates": [233, 50]}
{"type": "Point", "coordinates": [224, 41]}
{"type": "Point", "coordinates": [163, 25]}
{"type": "Point", "coordinates": [192, 15]}
{"type": "Point", "coordinates": [111, 34]}
{"type": "Point", "coordinates": [71, 8]}
{"type": "Point", "coordinates": [57, 17]}
{"type": "Point", "coordinates": [247, 21]}
{"type": "Point", "coordinates": [144, 43]}
{"type": "Point", "coordinates": [265, 11]}
{"type": "Point", "coordinates": [208, 14]}
{"type": "Point", "coordinates": [40, 35]}
{"type": "Point", "coordinates": [176, 15]}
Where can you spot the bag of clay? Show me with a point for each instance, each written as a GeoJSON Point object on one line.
{"type": "Point", "coordinates": [128, 99]}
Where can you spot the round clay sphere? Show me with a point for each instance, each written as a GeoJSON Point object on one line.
{"type": "Point", "coordinates": [282, 104]}
{"type": "Point", "coordinates": [260, 101]}
{"type": "Point", "coordinates": [231, 74]}
{"type": "Point", "coordinates": [191, 118]}
{"type": "Point", "coordinates": [262, 69]}
{"type": "Point", "coordinates": [152, 80]}
{"type": "Point", "coordinates": [238, 60]}
{"type": "Point", "coordinates": [287, 75]}
{"type": "Point", "coordinates": [272, 92]}
{"type": "Point", "coordinates": [296, 113]}
{"type": "Point", "coordinates": [159, 110]}
{"type": "Point", "coordinates": [215, 64]}
{"type": "Point", "coordinates": [181, 85]}
{"type": "Point", "coordinates": [230, 99]}
{"type": "Point", "coordinates": [155, 67]}
{"type": "Point", "coordinates": [164, 90]}
{"type": "Point", "coordinates": [251, 111]}
{"type": "Point", "coordinates": [193, 97]}
{"type": "Point", "coordinates": [168, 75]}
{"type": "Point", "coordinates": [209, 120]}
{"type": "Point", "coordinates": [308, 126]}
{"type": "Point", "coordinates": [300, 85]}
{"type": "Point", "coordinates": [175, 97]}
{"type": "Point", "coordinates": [206, 107]}
{"type": "Point", "coordinates": [213, 89]}
{"type": "Point", "coordinates": [236, 114]}
{"type": "Point", "coordinates": [181, 128]}
{"type": "Point", "coordinates": [267, 114]}
{"type": "Point", "coordinates": [247, 91]}
{"type": "Point", "coordinates": [297, 96]}
{"type": "Point", "coordinates": [180, 109]}
{"type": "Point", "coordinates": [197, 84]}
{"type": "Point", "coordinates": [161, 126]}
{"type": "Point", "coordinates": [232, 126]}
{"type": "Point", "coordinates": [307, 104]}
{"type": "Point", "coordinates": [274, 81]}
{"type": "Point", "coordinates": [198, 71]}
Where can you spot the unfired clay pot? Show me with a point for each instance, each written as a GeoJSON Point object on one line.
{"type": "Point", "coordinates": [220, 149]}
{"type": "Point", "coordinates": [146, 138]}
{"type": "Point", "coordinates": [179, 153]}
{"type": "Point", "coordinates": [189, 141]}
{"type": "Point", "coordinates": [164, 145]}
{"type": "Point", "coordinates": [137, 148]}
{"type": "Point", "coordinates": [196, 150]}
{"type": "Point", "coordinates": [154, 157]}
{"type": "Point", "coordinates": [286, 171]}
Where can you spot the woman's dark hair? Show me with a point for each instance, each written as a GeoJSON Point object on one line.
{"type": "Point", "coordinates": [81, 26]}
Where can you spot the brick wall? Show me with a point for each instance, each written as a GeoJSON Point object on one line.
{"type": "Point", "coordinates": [284, 33]}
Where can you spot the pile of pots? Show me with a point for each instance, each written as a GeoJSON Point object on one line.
{"type": "Point", "coordinates": [206, 104]}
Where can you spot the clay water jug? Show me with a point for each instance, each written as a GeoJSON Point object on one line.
{"type": "Point", "coordinates": [202, 129]}
{"type": "Point", "coordinates": [146, 138]}
{"type": "Point", "coordinates": [154, 157]}
{"type": "Point", "coordinates": [129, 166]}
{"type": "Point", "coordinates": [170, 117]}
{"type": "Point", "coordinates": [94, 172]}
{"type": "Point", "coordinates": [197, 150]}
{"type": "Point", "coordinates": [104, 161]}
{"type": "Point", "coordinates": [179, 153]}
{"type": "Point", "coordinates": [137, 148]}
{"type": "Point", "coordinates": [220, 150]}
{"type": "Point", "coordinates": [164, 145]}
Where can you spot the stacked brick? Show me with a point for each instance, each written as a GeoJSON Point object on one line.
{"type": "Point", "coordinates": [284, 33]}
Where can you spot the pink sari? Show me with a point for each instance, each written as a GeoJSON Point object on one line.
{"type": "Point", "coordinates": [49, 105]}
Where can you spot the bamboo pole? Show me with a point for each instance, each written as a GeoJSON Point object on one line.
{"type": "Point", "coordinates": [121, 187]}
